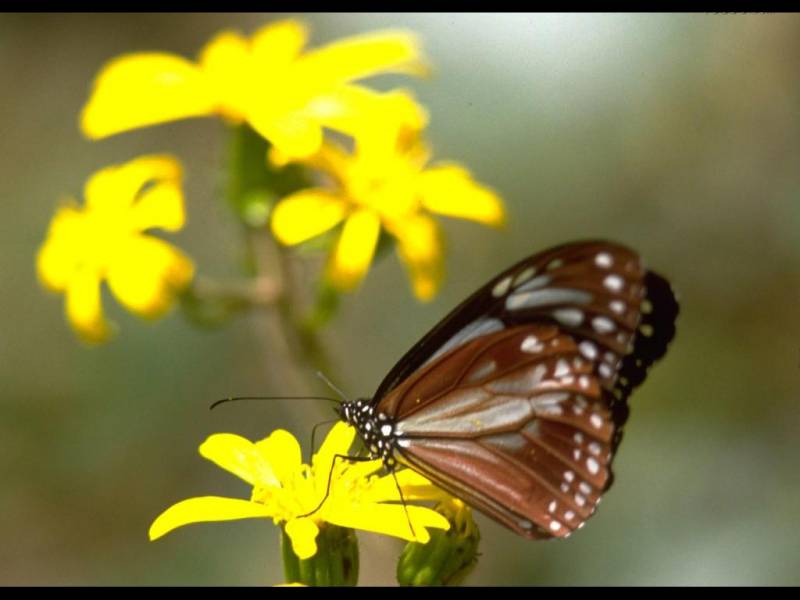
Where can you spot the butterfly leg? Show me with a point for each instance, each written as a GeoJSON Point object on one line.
{"type": "Point", "coordinates": [403, 500]}
{"type": "Point", "coordinates": [313, 435]}
{"type": "Point", "coordinates": [330, 477]}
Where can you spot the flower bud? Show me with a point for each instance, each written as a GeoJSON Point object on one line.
{"type": "Point", "coordinates": [449, 556]}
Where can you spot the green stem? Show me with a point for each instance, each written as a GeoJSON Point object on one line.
{"type": "Point", "coordinates": [335, 563]}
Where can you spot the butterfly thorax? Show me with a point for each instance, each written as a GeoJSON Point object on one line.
{"type": "Point", "coordinates": [375, 429]}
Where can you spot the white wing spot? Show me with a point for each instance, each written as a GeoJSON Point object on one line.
{"type": "Point", "coordinates": [368, 427]}
{"type": "Point", "coordinates": [576, 454]}
{"type": "Point", "coordinates": [552, 507]}
{"type": "Point", "coordinates": [613, 283]}
{"type": "Point", "coordinates": [565, 487]}
{"type": "Point", "coordinates": [618, 306]}
{"type": "Point", "coordinates": [568, 380]}
{"type": "Point", "coordinates": [403, 443]}
{"type": "Point", "coordinates": [578, 437]}
{"type": "Point", "coordinates": [588, 349]}
{"type": "Point", "coordinates": [546, 297]}
{"type": "Point", "coordinates": [605, 371]}
{"type": "Point", "coordinates": [386, 430]}
{"type": "Point", "coordinates": [571, 317]}
{"type": "Point", "coordinates": [592, 465]}
{"type": "Point", "coordinates": [585, 488]}
{"type": "Point", "coordinates": [562, 368]}
{"type": "Point", "coordinates": [580, 500]}
{"type": "Point", "coordinates": [501, 287]}
{"type": "Point", "coordinates": [524, 276]}
{"type": "Point", "coordinates": [603, 260]}
{"type": "Point", "coordinates": [594, 448]}
{"type": "Point", "coordinates": [555, 525]}
{"type": "Point", "coordinates": [569, 515]}
{"type": "Point", "coordinates": [603, 325]}
{"type": "Point", "coordinates": [569, 476]}
{"type": "Point", "coordinates": [535, 283]}
{"type": "Point", "coordinates": [583, 381]}
{"type": "Point", "coordinates": [556, 263]}
{"type": "Point", "coordinates": [596, 420]}
{"type": "Point", "coordinates": [531, 344]}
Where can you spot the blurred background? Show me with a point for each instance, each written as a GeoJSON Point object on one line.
{"type": "Point", "coordinates": [678, 135]}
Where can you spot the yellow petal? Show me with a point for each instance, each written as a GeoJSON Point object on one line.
{"type": "Point", "coordinates": [160, 206]}
{"type": "Point", "coordinates": [282, 452]}
{"type": "Point", "coordinates": [241, 457]}
{"type": "Point", "coordinates": [354, 250]}
{"type": "Point", "coordinates": [363, 113]}
{"type": "Point", "coordinates": [295, 134]}
{"type": "Point", "coordinates": [306, 214]}
{"type": "Point", "coordinates": [226, 66]}
{"type": "Point", "coordinates": [59, 256]}
{"type": "Point", "coordinates": [338, 441]}
{"type": "Point", "coordinates": [450, 190]}
{"type": "Point", "coordinates": [84, 308]}
{"type": "Point", "coordinates": [303, 533]}
{"type": "Point", "coordinates": [147, 273]}
{"type": "Point", "coordinates": [330, 157]}
{"type": "Point", "coordinates": [143, 89]}
{"type": "Point", "coordinates": [413, 485]}
{"type": "Point", "coordinates": [277, 44]}
{"type": "Point", "coordinates": [420, 247]}
{"type": "Point", "coordinates": [116, 187]}
{"type": "Point", "coordinates": [362, 56]}
{"type": "Point", "coordinates": [388, 519]}
{"type": "Point", "coordinates": [203, 510]}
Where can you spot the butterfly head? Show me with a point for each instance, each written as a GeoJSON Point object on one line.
{"type": "Point", "coordinates": [374, 428]}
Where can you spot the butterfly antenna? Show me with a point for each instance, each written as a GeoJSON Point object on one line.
{"type": "Point", "coordinates": [331, 385]}
{"type": "Point", "coordinates": [239, 398]}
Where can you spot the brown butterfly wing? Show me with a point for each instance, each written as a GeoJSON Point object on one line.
{"type": "Point", "coordinates": [513, 422]}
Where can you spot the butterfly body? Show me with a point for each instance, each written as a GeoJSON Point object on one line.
{"type": "Point", "coordinates": [516, 400]}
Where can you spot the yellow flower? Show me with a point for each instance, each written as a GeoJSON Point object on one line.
{"type": "Point", "coordinates": [385, 183]}
{"type": "Point", "coordinates": [106, 240]}
{"type": "Point", "coordinates": [284, 489]}
{"type": "Point", "coordinates": [285, 94]}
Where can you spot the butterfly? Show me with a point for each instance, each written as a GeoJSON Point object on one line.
{"type": "Point", "coordinates": [516, 400]}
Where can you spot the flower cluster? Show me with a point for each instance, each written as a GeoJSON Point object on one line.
{"type": "Point", "coordinates": [381, 180]}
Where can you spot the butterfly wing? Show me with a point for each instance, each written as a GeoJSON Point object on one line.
{"type": "Point", "coordinates": [514, 423]}
{"type": "Point", "coordinates": [620, 315]}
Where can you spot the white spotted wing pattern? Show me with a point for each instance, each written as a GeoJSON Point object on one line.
{"type": "Point", "coordinates": [514, 423]}
{"type": "Point", "coordinates": [515, 401]}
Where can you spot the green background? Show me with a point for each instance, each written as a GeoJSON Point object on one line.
{"type": "Point", "coordinates": [678, 135]}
